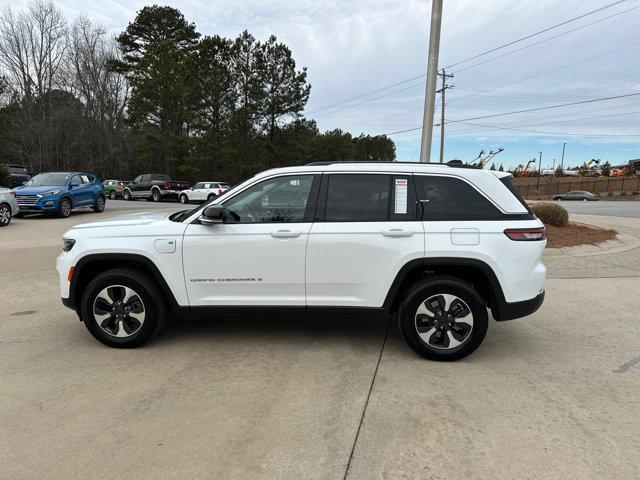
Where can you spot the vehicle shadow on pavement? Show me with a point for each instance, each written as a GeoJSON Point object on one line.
{"type": "Point", "coordinates": [274, 329]}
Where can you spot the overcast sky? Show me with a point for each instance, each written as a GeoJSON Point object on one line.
{"type": "Point", "coordinates": [358, 46]}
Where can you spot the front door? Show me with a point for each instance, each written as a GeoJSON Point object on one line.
{"type": "Point", "coordinates": [257, 256]}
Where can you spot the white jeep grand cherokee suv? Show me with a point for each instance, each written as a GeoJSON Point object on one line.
{"type": "Point", "coordinates": [438, 244]}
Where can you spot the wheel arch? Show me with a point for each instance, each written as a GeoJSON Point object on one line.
{"type": "Point", "coordinates": [91, 265]}
{"type": "Point", "coordinates": [476, 272]}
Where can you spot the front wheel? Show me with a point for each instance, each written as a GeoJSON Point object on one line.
{"type": "Point", "coordinates": [5, 215]}
{"type": "Point", "coordinates": [64, 210]}
{"type": "Point", "coordinates": [123, 308]}
{"type": "Point", "coordinates": [127, 195]}
{"type": "Point", "coordinates": [585, 199]}
{"type": "Point", "coordinates": [98, 207]}
{"type": "Point", "coordinates": [184, 198]}
{"type": "Point", "coordinates": [443, 319]}
{"type": "Point", "coordinates": [211, 196]}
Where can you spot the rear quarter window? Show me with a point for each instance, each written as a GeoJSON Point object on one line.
{"type": "Point", "coordinates": [442, 198]}
{"type": "Point", "coordinates": [508, 182]}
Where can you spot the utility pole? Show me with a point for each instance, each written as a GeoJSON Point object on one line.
{"type": "Point", "coordinates": [444, 88]}
{"type": "Point", "coordinates": [432, 72]}
{"type": "Point", "coordinates": [562, 161]}
{"type": "Point", "coordinates": [539, 172]}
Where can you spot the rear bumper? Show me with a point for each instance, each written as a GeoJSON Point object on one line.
{"type": "Point", "coordinates": [513, 310]}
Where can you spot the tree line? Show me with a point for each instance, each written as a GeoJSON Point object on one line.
{"type": "Point", "coordinates": [158, 97]}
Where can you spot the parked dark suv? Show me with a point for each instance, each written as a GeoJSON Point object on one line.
{"type": "Point", "coordinates": [19, 175]}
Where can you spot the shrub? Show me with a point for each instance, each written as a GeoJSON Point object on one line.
{"type": "Point", "coordinates": [5, 176]}
{"type": "Point", "coordinates": [551, 214]}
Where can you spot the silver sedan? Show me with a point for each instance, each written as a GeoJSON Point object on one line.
{"type": "Point", "coordinates": [8, 206]}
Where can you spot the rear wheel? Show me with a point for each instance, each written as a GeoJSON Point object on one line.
{"type": "Point", "coordinates": [443, 319]}
{"type": "Point", "coordinates": [585, 199]}
{"type": "Point", "coordinates": [155, 195]}
{"type": "Point", "coordinates": [212, 196]}
{"type": "Point", "coordinates": [64, 210]}
{"type": "Point", "coordinates": [98, 207]}
{"type": "Point", "coordinates": [112, 195]}
{"type": "Point", "coordinates": [5, 215]}
{"type": "Point", "coordinates": [127, 195]}
{"type": "Point", "coordinates": [123, 308]}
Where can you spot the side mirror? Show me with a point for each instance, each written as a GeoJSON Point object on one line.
{"type": "Point", "coordinates": [211, 215]}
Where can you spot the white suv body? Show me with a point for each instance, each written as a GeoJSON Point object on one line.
{"type": "Point", "coordinates": [323, 238]}
{"type": "Point", "coordinates": [203, 191]}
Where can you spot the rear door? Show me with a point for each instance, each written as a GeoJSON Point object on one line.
{"type": "Point", "coordinates": [365, 231]}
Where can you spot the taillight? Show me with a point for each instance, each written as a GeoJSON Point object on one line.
{"type": "Point", "coordinates": [165, 185]}
{"type": "Point", "coordinates": [525, 234]}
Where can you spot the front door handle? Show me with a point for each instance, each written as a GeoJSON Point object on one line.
{"type": "Point", "coordinates": [285, 234]}
{"type": "Point", "coordinates": [397, 232]}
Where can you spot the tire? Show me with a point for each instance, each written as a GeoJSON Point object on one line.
{"type": "Point", "coordinates": [120, 330]}
{"type": "Point", "coordinates": [112, 195]}
{"type": "Point", "coordinates": [155, 195]}
{"type": "Point", "coordinates": [585, 199]}
{"type": "Point", "coordinates": [64, 209]}
{"type": "Point", "coordinates": [127, 195]}
{"type": "Point", "coordinates": [184, 198]}
{"type": "Point", "coordinates": [468, 328]}
{"type": "Point", "coordinates": [5, 215]}
{"type": "Point", "coordinates": [212, 196]}
{"type": "Point", "coordinates": [98, 207]}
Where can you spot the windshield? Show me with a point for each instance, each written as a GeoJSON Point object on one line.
{"type": "Point", "coordinates": [49, 180]}
{"type": "Point", "coordinates": [17, 169]}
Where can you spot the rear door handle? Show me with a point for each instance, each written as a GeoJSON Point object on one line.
{"type": "Point", "coordinates": [285, 234]}
{"type": "Point", "coordinates": [397, 232]}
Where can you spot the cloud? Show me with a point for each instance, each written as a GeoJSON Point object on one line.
{"type": "Point", "coordinates": [361, 45]}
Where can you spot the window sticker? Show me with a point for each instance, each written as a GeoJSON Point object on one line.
{"type": "Point", "coordinates": [401, 196]}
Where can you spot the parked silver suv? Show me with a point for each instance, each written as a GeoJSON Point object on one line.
{"type": "Point", "coordinates": [8, 206]}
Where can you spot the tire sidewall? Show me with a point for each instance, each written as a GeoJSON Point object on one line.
{"type": "Point", "coordinates": [150, 298]}
{"type": "Point", "coordinates": [99, 207]}
{"type": "Point", "coordinates": [61, 210]}
{"type": "Point", "coordinates": [424, 290]}
{"type": "Point", "coordinates": [8, 208]}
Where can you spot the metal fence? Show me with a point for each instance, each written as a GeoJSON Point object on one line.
{"type": "Point", "coordinates": [549, 186]}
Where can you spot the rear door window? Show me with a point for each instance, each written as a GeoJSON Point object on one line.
{"type": "Point", "coordinates": [443, 198]}
{"type": "Point", "coordinates": [357, 198]}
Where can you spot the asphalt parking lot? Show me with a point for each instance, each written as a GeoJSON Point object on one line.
{"type": "Point", "coordinates": [551, 396]}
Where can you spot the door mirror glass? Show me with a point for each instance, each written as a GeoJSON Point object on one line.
{"type": "Point", "coordinates": [212, 214]}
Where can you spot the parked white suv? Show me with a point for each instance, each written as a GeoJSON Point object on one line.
{"type": "Point", "coordinates": [203, 191]}
{"type": "Point", "coordinates": [438, 244]}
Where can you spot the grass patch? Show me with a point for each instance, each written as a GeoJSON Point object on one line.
{"type": "Point", "coordinates": [575, 234]}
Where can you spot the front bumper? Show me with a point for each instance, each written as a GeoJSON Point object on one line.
{"type": "Point", "coordinates": [512, 310]}
{"type": "Point", "coordinates": [44, 204]}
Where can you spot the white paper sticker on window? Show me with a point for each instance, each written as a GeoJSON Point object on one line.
{"type": "Point", "coordinates": [401, 196]}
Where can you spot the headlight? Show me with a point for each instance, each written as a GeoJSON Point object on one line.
{"type": "Point", "coordinates": [68, 244]}
{"type": "Point", "coordinates": [52, 192]}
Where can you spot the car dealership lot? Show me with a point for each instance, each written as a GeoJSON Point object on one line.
{"type": "Point", "coordinates": [550, 396]}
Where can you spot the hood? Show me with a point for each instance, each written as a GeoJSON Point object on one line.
{"type": "Point", "coordinates": [130, 220]}
{"type": "Point", "coordinates": [27, 190]}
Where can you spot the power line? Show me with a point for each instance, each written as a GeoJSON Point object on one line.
{"type": "Point", "coordinates": [496, 127]}
{"type": "Point", "coordinates": [544, 40]}
{"type": "Point", "coordinates": [500, 47]}
{"type": "Point", "coordinates": [402, 82]}
{"type": "Point", "coordinates": [527, 110]}
{"type": "Point", "coordinates": [561, 67]}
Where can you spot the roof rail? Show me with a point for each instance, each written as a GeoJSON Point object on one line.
{"type": "Point", "coordinates": [450, 163]}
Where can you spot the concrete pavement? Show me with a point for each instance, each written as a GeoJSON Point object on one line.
{"type": "Point", "coordinates": [548, 397]}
